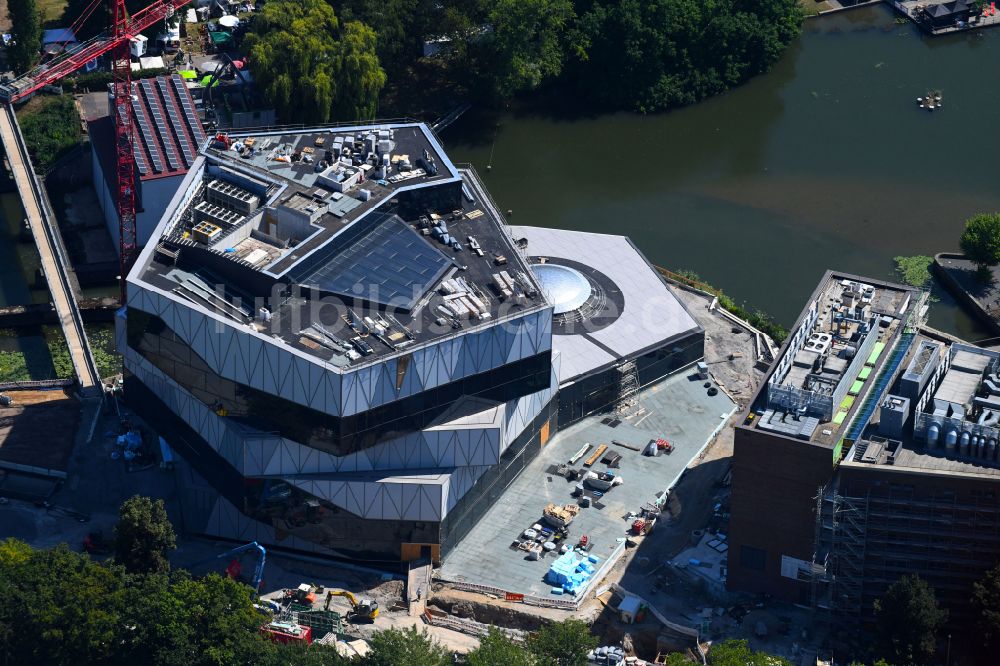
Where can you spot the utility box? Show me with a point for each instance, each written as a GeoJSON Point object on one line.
{"type": "Point", "coordinates": [138, 46]}
{"type": "Point", "coordinates": [894, 414]}
{"type": "Point", "coordinates": [628, 609]}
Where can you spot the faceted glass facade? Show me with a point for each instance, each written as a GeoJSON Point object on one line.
{"type": "Point", "coordinates": [150, 337]}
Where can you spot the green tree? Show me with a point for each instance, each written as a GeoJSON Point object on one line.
{"type": "Point", "coordinates": [312, 68]}
{"type": "Point", "coordinates": [59, 607]}
{"type": "Point", "coordinates": [26, 30]}
{"type": "Point", "coordinates": [563, 643]}
{"type": "Point", "coordinates": [986, 601]}
{"type": "Point", "coordinates": [909, 618]}
{"type": "Point", "coordinates": [914, 271]}
{"type": "Point", "coordinates": [51, 129]}
{"type": "Point", "coordinates": [981, 240]}
{"type": "Point", "coordinates": [143, 535]}
{"type": "Point", "coordinates": [298, 654]}
{"type": "Point", "coordinates": [738, 653]}
{"type": "Point", "coordinates": [657, 54]}
{"type": "Point", "coordinates": [177, 620]}
{"type": "Point", "coordinates": [395, 22]}
{"type": "Point", "coordinates": [405, 646]}
{"type": "Point", "coordinates": [527, 44]}
{"type": "Point", "coordinates": [497, 648]}
{"type": "Point", "coordinates": [13, 552]}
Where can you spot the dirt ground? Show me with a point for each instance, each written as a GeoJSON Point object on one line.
{"type": "Point", "coordinates": [38, 429]}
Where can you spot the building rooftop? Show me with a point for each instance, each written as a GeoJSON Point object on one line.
{"type": "Point", "coordinates": [626, 310]}
{"type": "Point", "coordinates": [953, 429]}
{"type": "Point", "coordinates": [167, 129]}
{"type": "Point", "coordinates": [677, 409]}
{"type": "Point", "coordinates": [847, 341]}
{"type": "Point", "coordinates": [347, 244]}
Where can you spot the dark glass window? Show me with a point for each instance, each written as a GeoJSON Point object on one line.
{"type": "Point", "coordinates": [752, 558]}
{"type": "Point", "coordinates": [149, 336]}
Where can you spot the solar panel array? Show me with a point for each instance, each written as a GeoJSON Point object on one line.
{"type": "Point", "coordinates": [161, 125]}
{"type": "Point", "coordinates": [148, 138]}
{"type": "Point", "coordinates": [173, 114]}
{"type": "Point", "coordinates": [393, 262]}
{"type": "Point", "coordinates": [140, 159]}
{"type": "Point", "coordinates": [187, 106]}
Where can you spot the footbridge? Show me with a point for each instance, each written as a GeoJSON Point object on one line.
{"type": "Point", "coordinates": [42, 223]}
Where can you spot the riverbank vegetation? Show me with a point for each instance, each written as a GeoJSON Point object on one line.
{"type": "Point", "coordinates": [102, 345]}
{"type": "Point", "coordinates": [606, 54]}
{"type": "Point", "coordinates": [756, 318]}
{"type": "Point", "coordinates": [914, 271]}
{"type": "Point", "coordinates": [51, 129]}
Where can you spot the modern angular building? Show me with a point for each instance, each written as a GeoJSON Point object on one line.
{"type": "Point", "coordinates": [870, 452]}
{"type": "Point", "coordinates": [338, 332]}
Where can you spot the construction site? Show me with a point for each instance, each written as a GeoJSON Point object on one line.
{"type": "Point", "coordinates": [446, 383]}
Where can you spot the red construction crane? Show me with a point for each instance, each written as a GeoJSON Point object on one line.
{"type": "Point", "coordinates": [116, 42]}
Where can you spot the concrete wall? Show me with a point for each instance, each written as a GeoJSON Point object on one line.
{"type": "Point", "coordinates": [155, 194]}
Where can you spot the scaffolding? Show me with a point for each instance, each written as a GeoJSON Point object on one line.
{"type": "Point", "coordinates": [848, 545]}
{"type": "Point", "coordinates": [627, 402]}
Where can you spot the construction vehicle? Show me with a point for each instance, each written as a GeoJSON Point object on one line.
{"type": "Point", "coordinates": [303, 594]}
{"type": "Point", "coordinates": [235, 569]}
{"type": "Point", "coordinates": [287, 632]}
{"type": "Point", "coordinates": [365, 610]}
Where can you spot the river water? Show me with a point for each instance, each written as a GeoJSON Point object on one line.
{"type": "Point", "coordinates": [824, 162]}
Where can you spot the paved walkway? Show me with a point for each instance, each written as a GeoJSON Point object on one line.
{"type": "Point", "coordinates": [62, 296]}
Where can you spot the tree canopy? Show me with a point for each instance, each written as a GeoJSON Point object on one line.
{"type": "Point", "coordinates": [986, 601]}
{"type": "Point", "coordinates": [909, 618]}
{"type": "Point", "coordinates": [496, 648]}
{"type": "Point", "coordinates": [311, 67]}
{"type": "Point", "coordinates": [26, 30]}
{"type": "Point", "coordinates": [406, 646]}
{"type": "Point", "coordinates": [643, 55]}
{"type": "Point", "coordinates": [738, 653]}
{"type": "Point", "coordinates": [657, 54]}
{"type": "Point", "coordinates": [61, 607]}
{"type": "Point", "coordinates": [527, 44]}
{"type": "Point", "coordinates": [143, 536]}
{"type": "Point", "coordinates": [562, 643]}
{"type": "Point", "coordinates": [981, 239]}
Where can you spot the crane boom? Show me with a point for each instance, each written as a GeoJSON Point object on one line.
{"type": "Point", "coordinates": [79, 55]}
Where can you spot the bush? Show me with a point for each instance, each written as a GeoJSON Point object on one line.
{"type": "Point", "coordinates": [756, 318]}
{"type": "Point", "coordinates": [51, 129]}
{"type": "Point", "coordinates": [914, 271]}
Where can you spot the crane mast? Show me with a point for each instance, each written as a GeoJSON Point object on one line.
{"type": "Point", "coordinates": [121, 84]}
